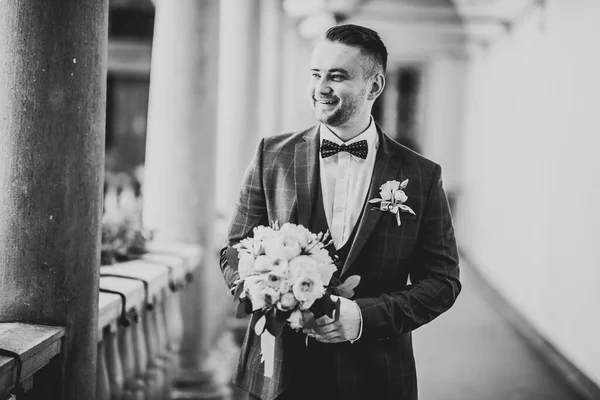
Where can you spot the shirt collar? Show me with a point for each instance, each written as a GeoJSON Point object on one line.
{"type": "Point", "coordinates": [370, 135]}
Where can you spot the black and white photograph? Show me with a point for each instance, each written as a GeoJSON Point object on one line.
{"type": "Point", "coordinates": [299, 200]}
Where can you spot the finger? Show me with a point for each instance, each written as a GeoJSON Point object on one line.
{"type": "Point", "coordinates": [329, 339]}
{"type": "Point", "coordinates": [325, 329]}
{"type": "Point", "coordinates": [329, 335]}
{"type": "Point", "coordinates": [325, 320]}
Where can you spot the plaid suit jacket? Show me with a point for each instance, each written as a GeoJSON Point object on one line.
{"type": "Point", "coordinates": [280, 185]}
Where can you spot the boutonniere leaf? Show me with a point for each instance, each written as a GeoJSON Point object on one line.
{"type": "Point", "coordinates": [393, 198]}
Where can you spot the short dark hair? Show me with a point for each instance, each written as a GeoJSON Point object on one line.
{"type": "Point", "coordinates": [366, 39]}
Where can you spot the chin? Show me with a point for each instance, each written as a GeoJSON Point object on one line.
{"type": "Point", "coordinates": [327, 119]}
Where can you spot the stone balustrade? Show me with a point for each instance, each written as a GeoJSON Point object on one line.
{"type": "Point", "coordinates": [34, 347]}
{"type": "Point", "coordinates": [138, 347]}
{"type": "Point", "coordinates": [140, 329]}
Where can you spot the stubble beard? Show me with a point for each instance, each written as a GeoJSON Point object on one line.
{"type": "Point", "coordinates": [342, 115]}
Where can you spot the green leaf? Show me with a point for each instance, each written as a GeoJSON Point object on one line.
{"type": "Point", "coordinates": [351, 282]}
{"type": "Point", "coordinates": [328, 305]}
{"type": "Point", "coordinates": [374, 201]}
{"type": "Point", "coordinates": [406, 208]}
{"type": "Point", "coordinates": [309, 321]}
{"type": "Point", "coordinates": [242, 309]}
{"type": "Point", "coordinates": [335, 282]}
{"type": "Point", "coordinates": [276, 321]}
{"type": "Point", "coordinates": [346, 289]}
{"type": "Point", "coordinates": [343, 292]}
{"type": "Point", "coordinates": [239, 288]}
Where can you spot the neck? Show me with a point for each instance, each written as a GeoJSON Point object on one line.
{"type": "Point", "coordinates": [350, 131]}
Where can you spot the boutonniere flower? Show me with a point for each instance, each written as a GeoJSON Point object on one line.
{"type": "Point", "coordinates": [393, 198]}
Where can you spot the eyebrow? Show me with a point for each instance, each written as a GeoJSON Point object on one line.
{"type": "Point", "coordinates": [333, 70]}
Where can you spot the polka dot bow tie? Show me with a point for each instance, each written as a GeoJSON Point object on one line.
{"type": "Point", "coordinates": [358, 149]}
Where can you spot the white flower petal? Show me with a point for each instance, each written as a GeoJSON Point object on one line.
{"type": "Point", "coordinates": [406, 208]}
{"type": "Point", "coordinates": [326, 271]}
{"type": "Point", "coordinates": [246, 265]}
{"type": "Point", "coordinates": [295, 319]}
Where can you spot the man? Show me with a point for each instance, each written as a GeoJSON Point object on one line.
{"type": "Point", "coordinates": [323, 178]}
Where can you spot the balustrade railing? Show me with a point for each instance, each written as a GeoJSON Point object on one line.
{"type": "Point", "coordinates": [138, 348]}
{"type": "Point", "coordinates": [140, 329]}
{"type": "Point", "coordinates": [25, 350]}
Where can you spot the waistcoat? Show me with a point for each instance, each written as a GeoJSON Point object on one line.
{"type": "Point", "coordinates": [319, 223]}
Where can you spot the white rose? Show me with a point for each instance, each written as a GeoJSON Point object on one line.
{"type": "Point", "coordinates": [263, 232]}
{"type": "Point", "coordinates": [387, 189]}
{"type": "Point", "coordinates": [386, 195]}
{"type": "Point", "coordinates": [246, 265]}
{"type": "Point", "coordinates": [254, 286]}
{"type": "Point", "coordinates": [274, 247]}
{"type": "Point", "coordinates": [298, 232]}
{"type": "Point", "coordinates": [291, 247]}
{"type": "Point", "coordinates": [394, 185]}
{"type": "Point", "coordinates": [326, 271]}
{"type": "Point", "coordinates": [263, 264]}
{"type": "Point", "coordinates": [277, 279]}
{"type": "Point", "coordinates": [301, 263]}
{"type": "Point", "coordinates": [247, 243]}
{"type": "Point", "coordinates": [288, 301]}
{"type": "Point", "coordinates": [319, 254]}
{"type": "Point", "coordinates": [266, 264]}
{"type": "Point", "coordinates": [308, 288]}
{"type": "Point", "coordinates": [325, 265]}
{"type": "Point", "coordinates": [400, 196]}
{"type": "Point", "coordinates": [280, 264]}
{"type": "Point", "coordinates": [270, 296]}
{"type": "Point", "coordinates": [295, 319]}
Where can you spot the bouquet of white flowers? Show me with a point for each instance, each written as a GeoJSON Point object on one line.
{"type": "Point", "coordinates": [285, 276]}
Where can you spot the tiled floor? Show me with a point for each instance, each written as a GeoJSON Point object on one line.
{"type": "Point", "coordinates": [470, 353]}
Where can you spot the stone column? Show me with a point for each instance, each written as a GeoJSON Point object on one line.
{"type": "Point", "coordinates": [179, 192]}
{"type": "Point", "coordinates": [239, 94]}
{"type": "Point", "coordinates": [271, 67]}
{"type": "Point", "coordinates": [296, 109]}
{"type": "Point", "coordinates": [52, 123]}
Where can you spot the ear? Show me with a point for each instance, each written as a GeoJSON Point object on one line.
{"type": "Point", "coordinates": [377, 85]}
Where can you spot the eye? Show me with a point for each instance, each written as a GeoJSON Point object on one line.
{"type": "Point", "coordinates": [337, 77]}
{"type": "Point", "coordinates": [315, 75]}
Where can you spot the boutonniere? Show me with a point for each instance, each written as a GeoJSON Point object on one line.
{"type": "Point", "coordinates": [393, 198]}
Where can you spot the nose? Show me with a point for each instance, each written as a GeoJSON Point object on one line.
{"type": "Point", "coordinates": [322, 87]}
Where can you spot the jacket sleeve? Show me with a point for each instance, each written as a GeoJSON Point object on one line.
{"type": "Point", "coordinates": [434, 277]}
{"type": "Point", "coordinates": [250, 211]}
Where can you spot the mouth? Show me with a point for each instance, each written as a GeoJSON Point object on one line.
{"type": "Point", "coordinates": [325, 102]}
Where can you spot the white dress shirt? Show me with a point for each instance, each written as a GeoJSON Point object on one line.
{"type": "Point", "coordinates": [345, 181]}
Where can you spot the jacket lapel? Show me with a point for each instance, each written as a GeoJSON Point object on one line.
{"type": "Point", "coordinates": [387, 165]}
{"type": "Point", "coordinates": [306, 174]}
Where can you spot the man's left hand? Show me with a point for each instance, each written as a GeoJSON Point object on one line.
{"type": "Point", "coordinates": [346, 328]}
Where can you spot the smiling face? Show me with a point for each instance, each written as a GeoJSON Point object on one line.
{"type": "Point", "coordinates": [341, 93]}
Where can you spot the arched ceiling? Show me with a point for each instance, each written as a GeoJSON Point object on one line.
{"type": "Point", "coordinates": [411, 29]}
{"type": "Point", "coordinates": [421, 28]}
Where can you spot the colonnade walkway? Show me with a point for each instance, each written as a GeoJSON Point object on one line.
{"type": "Point", "coordinates": [469, 353]}
{"type": "Point", "coordinates": [472, 353]}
